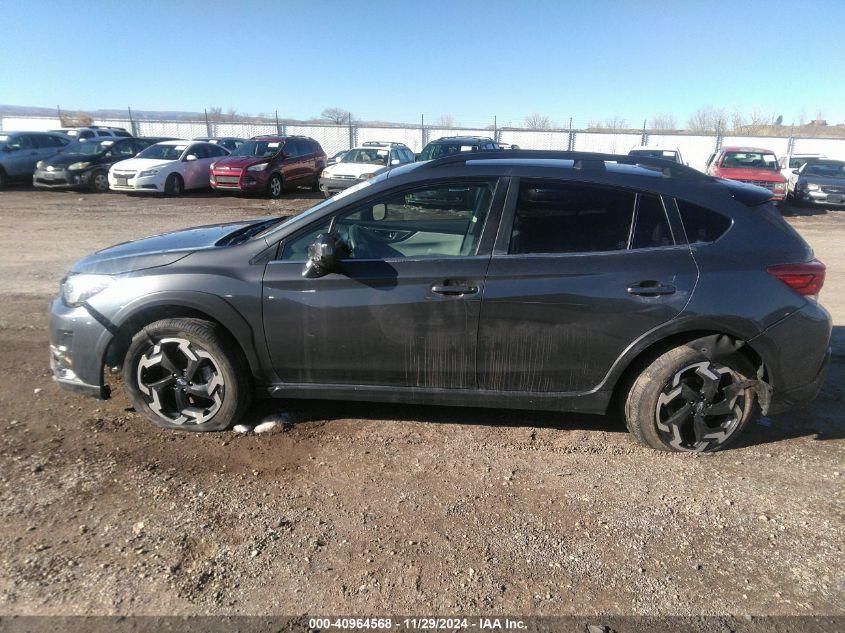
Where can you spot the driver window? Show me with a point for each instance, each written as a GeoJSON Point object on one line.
{"type": "Point", "coordinates": [440, 221]}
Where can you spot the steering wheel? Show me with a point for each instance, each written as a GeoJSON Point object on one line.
{"type": "Point", "coordinates": [365, 244]}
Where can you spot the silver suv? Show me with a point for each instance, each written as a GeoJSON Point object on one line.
{"type": "Point", "coordinates": [21, 151]}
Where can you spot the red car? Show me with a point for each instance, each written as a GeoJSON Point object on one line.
{"type": "Point", "coordinates": [749, 165]}
{"type": "Point", "coordinates": [270, 164]}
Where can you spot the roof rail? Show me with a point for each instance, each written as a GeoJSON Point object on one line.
{"type": "Point", "coordinates": [582, 160]}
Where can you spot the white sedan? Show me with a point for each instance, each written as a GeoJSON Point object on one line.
{"type": "Point", "coordinates": [169, 167]}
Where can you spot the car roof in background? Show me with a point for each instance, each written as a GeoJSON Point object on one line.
{"type": "Point", "coordinates": [759, 150]}
{"type": "Point", "coordinates": [462, 139]}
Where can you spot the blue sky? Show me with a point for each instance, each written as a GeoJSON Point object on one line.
{"type": "Point", "coordinates": [395, 60]}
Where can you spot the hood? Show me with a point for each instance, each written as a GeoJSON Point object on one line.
{"type": "Point", "coordinates": [239, 162]}
{"type": "Point", "coordinates": [157, 250]}
{"type": "Point", "coordinates": [741, 173]}
{"type": "Point", "coordinates": [137, 164]}
{"type": "Point", "coordinates": [63, 160]}
{"type": "Point", "coordinates": [352, 169]}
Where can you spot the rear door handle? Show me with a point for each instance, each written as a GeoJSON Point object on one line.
{"type": "Point", "coordinates": [454, 290]}
{"type": "Point", "coordinates": [651, 289]}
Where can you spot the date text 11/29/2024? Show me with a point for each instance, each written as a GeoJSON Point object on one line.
{"type": "Point", "coordinates": [417, 624]}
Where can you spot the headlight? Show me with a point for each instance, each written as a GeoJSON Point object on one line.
{"type": "Point", "coordinates": [258, 167]}
{"type": "Point", "coordinates": [148, 172]}
{"type": "Point", "coordinates": [779, 186]}
{"type": "Point", "coordinates": [79, 288]}
{"type": "Point", "coordinates": [366, 176]}
{"type": "Point", "coordinates": [812, 187]}
{"type": "Point", "coordinates": [81, 165]}
{"type": "Point", "coordinates": [39, 164]}
{"type": "Point", "coordinates": [212, 165]}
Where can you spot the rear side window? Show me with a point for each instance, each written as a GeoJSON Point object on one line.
{"type": "Point", "coordinates": [556, 217]}
{"type": "Point", "coordinates": [702, 225]}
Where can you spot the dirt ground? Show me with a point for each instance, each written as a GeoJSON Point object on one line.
{"type": "Point", "coordinates": [372, 509]}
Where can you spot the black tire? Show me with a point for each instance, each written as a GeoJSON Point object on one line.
{"type": "Point", "coordinates": [315, 186]}
{"type": "Point", "coordinates": [661, 410]}
{"type": "Point", "coordinates": [99, 182]}
{"type": "Point", "coordinates": [171, 396]}
{"type": "Point", "coordinates": [174, 185]}
{"type": "Point", "coordinates": [3, 180]}
{"type": "Point", "coordinates": [275, 187]}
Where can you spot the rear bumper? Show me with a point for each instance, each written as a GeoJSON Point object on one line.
{"type": "Point", "coordinates": [785, 400]}
{"type": "Point", "coordinates": [796, 352]}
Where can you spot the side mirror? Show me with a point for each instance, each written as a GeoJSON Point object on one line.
{"type": "Point", "coordinates": [323, 256]}
{"type": "Point", "coordinates": [191, 157]}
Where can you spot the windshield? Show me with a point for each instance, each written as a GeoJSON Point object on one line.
{"type": "Point", "coordinates": [750, 160]}
{"type": "Point", "coordinates": [88, 148]}
{"type": "Point", "coordinates": [655, 153]}
{"type": "Point", "coordinates": [445, 149]}
{"type": "Point", "coordinates": [829, 170]}
{"type": "Point", "coordinates": [263, 149]}
{"type": "Point", "coordinates": [163, 152]}
{"type": "Point", "coordinates": [366, 155]}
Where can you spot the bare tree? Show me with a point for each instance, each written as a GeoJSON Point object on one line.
{"type": "Point", "coordinates": [708, 119]}
{"type": "Point", "coordinates": [215, 113]}
{"type": "Point", "coordinates": [231, 114]}
{"type": "Point", "coordinates": [663, 122]}
{"type": "Point", "coordinates": [615, 123]}
{"type": "Point", "coordinates": [336, 115]}
{"type": "Point", "coordinates": [79, 119]}
{"type": "Point", "coordinates": [535, 121]}
{"type": "Point", "coordinates": [446, 120]}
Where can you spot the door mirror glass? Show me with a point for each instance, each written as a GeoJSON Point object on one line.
{"type": "Point", "coordinates": [191, 157]}
{"type": "Point", "coordinates": [323, 256]}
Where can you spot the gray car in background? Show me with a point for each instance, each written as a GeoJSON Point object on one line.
{"type": "Point", "coordinates": [21, 151]}
{"type": "Point", "coordinates": [820, 181]}
{"type": "Point", "coordinates": [538, 280]}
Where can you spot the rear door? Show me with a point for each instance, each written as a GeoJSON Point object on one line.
{"type": "Point", "coordinates": [582, 273]}
{"type": "Point", "coordinates": [403, 309]}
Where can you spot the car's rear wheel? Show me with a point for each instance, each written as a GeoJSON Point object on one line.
{"type": "Point", "coordinates": [275, 186]}
{"type": "Point", "coordinates": [186, 374]}
{"type": "Point", "coordinates": [99, 182]}
{"type": "Point", "coordinates": [684, 401]}
{"type": "Point", "coordinates": [174, 185]}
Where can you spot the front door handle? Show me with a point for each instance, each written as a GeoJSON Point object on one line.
{"type": "Point", "coordinates": [454, 290]}
{"type": "Point", "coordinates": [651, 288]}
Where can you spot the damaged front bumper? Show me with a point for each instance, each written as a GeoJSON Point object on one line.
{"type": "Point", "coordinates": [77, 345]}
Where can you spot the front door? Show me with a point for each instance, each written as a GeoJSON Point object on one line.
{"type": "Point", "coordinates": [583, 273]}
{"type": "Point", "coordinates": [402, 310]}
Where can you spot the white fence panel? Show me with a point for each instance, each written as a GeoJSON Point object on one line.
{"type": "Point", "coordinates": [606, 142]}
{"type": "Point", "coordinates": [830, 147]}
{"type": "Point", "coordinates": [539, 139]}
{"type": "Point", "coordinates": [695, 150]}
{"type": "Point", "coordinates": [30, 124]}
{"type": "Point", "coordinates": [412, 137]}
{"type": "Point", "coordinates": [776, 144]}
{"type": "Point", "coordinates": [332, 138]}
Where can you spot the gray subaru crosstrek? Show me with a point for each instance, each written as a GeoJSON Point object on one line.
{"type": "Point", "coordinates": [536, 280]}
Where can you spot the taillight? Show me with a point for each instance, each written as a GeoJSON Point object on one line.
{"type": "Point", "coordinates": [806, 279]}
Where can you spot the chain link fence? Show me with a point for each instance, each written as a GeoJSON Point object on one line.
{"type": "Point", "coordinates": [695, 148]}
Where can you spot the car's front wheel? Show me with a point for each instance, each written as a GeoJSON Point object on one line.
{"type": "Point", "coordinates": [275, 186]}
{"type": "Point", "coordinates": [99, 182]}
{"type": "Point", "coordinates": [684, 401]}
{"type": "Point", "coordinates": [186, 374]}
{"type": "Point", "coordinates": [174, 185]}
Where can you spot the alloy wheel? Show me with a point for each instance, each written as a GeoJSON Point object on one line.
{"type": "Point", "coordinates": [101, 182]}
{"type": "Point", "coordinates": [180, 381]}
{"type": "Point", "coordinates": [701, 407]}
{"type": "Point", "coordinates": [275, 187]}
